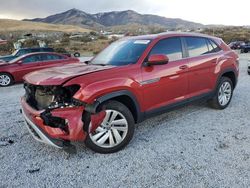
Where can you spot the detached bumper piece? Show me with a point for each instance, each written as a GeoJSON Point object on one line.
{"type": "Point", "coordinates": [55, 122]}
{"type": "Point", "coordinates": [39, 135]}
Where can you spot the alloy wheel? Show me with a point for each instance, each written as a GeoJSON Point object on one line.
{"type": "Point", "coordinates": [225, 93]}
{"type": "Point", "coordinates": [4, 80]}
{"type": "Point", "coordinates": [112, 130]}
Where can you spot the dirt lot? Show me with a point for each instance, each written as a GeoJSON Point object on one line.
{"type": "Point", "coordinates": [194, 146]}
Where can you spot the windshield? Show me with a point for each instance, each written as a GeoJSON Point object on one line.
{"type": "Point", "coordinates": [122, 52]}
{"type": "Point", "coordinates": [15, 60]}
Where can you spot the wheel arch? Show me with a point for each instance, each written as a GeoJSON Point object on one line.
{"type": "Point", "coordinates": [231, 74]}
{"type": "Point", "coordinates": [125, 97]}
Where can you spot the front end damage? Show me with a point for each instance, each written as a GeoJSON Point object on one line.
{"type": "Point", "coordinates": [54, 117]}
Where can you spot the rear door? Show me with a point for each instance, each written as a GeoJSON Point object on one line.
{"type": "Point", "coordinates": [201, 62]}
{"type": "Point", "coordinates": [165, 84]}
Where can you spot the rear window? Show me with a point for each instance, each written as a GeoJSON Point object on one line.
{"type": "Point", "coordinates": [200, 46]}
{"type": "Point", "coordinates": [196, 46]}
{"type": "Point", "coordinates": [31, 59]}
{"type": "Point", "coordinates": [51, 57]}
{"type": "Point", "coordinates": [216, 48]}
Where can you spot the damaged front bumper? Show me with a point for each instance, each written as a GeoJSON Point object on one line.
{"type": "Point", "coordinates": [57, 127]}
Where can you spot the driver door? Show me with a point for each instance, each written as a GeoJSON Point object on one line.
{"type": "Point", "coordinates": [165, 84]}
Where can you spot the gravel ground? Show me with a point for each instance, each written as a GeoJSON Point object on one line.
{"type": "Point", "coordinates": [194, 146]}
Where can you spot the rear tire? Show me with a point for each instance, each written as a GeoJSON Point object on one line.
{"type": "Point", "coordinates": [117, 129]}
{"type": "Point", "coordinates": [6, 80]}
{"type": "Point", "coordinates": [223, 95]}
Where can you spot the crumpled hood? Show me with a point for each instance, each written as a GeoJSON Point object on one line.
{"type": "Point", "coordinates": [59, 75]}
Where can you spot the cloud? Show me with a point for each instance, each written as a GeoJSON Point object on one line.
{"type": "Point", "coordinates": [207, 12]}
{"type": "Point", "coordinates": [42, 8]}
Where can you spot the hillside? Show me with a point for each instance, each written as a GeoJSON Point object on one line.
{"type": "Point", "coordinates": [115, 18]}
{"type": "Point", "coordinates": [15, 25]}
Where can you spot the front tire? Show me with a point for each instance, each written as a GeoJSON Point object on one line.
{"type": "Point", "coordinates": [6, 80]}
{"type": "Point", "coordinates": [223, 95]}
{"type": "Point", "coordinates": [115, 131]}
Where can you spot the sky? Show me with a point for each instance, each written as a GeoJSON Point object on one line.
{"type": "Point", "coordinates": [224, 12]}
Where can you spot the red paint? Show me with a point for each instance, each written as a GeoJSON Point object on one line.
{"type": "Point", "coordinates": [172, 82]}
{"type": "Point", "coordinates": [75, 124]}
{"type": "Point", "coordinates": [158, 58]}
{"type": "Point", "coordinates": [96, 120]}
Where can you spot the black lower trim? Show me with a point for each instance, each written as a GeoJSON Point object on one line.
{"type": "Point", "coordinates": [164, 109]}
{"type": "Point", "coordinates": [141, 116]}
{"type": "Point", "coordinates": [93, 108]}
{"type": "Point", "coordinates": [229, 70]}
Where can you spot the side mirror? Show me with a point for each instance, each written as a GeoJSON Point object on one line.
{"type": "Point", "coordinates": [157, 59]}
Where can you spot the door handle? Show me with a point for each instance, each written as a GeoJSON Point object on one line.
{"type": "Point", "coordinates": [183, 67]}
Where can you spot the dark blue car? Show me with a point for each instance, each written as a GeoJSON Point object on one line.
{"type": "Point", "coordinates": [245, 48]}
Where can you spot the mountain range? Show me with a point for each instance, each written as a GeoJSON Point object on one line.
{"type": "Point", "coordinates": [115, 18]}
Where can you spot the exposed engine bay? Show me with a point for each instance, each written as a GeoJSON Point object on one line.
{"type": "Point", "coordinates": [51, 97]}
{"type": "Point", "coordinates": [57, 105]}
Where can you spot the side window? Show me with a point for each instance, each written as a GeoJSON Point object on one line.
{"type": "Point", "coordinates": [171, 47]}
{"type": "Point", "coordinates": [51, 57]}
{"type": "Point", "coordinates": [215, 46]}
{"type": "Point", "coordinates": [196, 46]}
{"type": "Point", "coordinates": [31, 59]}
{"type": "Point", "coordinates": [58, 57]}
{"type": "Point", "coordinates": [44, 57]}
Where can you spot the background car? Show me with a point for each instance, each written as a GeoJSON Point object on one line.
{"type": "Point", "coordinates": [14, 70]}
{"type": "Point", "coordinates": [236, 45]}
{"type": "Point", "coordinates": [245, 48]}
{"type": "Point", "coordinates": [23, 51]}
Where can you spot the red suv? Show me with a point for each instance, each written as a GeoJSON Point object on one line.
{"type": "Point", "coordinates": [129, 81]}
